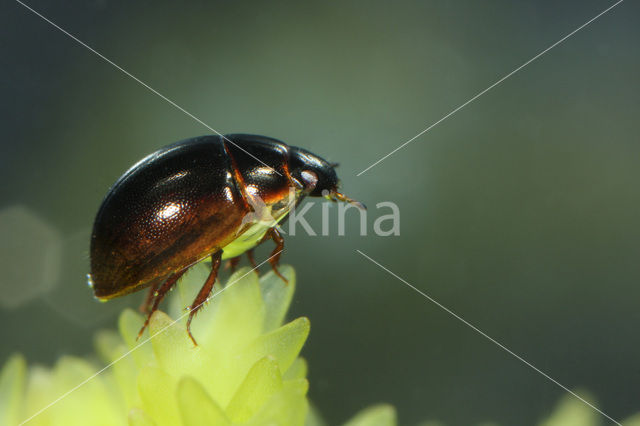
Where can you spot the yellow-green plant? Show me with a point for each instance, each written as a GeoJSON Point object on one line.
{"type": "Point", "coordinates": [245, 370]}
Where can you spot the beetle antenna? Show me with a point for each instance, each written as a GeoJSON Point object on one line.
{"type": "Point", "coordinates": [341, 197]}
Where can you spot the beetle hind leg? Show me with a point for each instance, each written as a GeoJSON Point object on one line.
{"type": "Point", "coordinates": [145, 307]}
{"type": "Point", "coordinates": [158, 294]}
{"type": "Point", "coordinates": [205, 291]}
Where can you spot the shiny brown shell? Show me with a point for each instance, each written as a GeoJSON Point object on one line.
{"type": "Point", "coordinates": [186, 201]}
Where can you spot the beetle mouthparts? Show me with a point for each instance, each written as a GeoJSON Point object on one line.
{"type": "Point", "coordinates": [337, 196]}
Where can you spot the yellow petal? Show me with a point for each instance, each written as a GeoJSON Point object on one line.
{"type": "Point", "coordinates": [313, 417]}
{"type": "Point", "coordinates": [297, 386]}
{"type": "Point", "coordinates": [157, 391]}
{"type": "Point", "coordinates": [196, 407]}
{"type": "Point", "coordinates": [287, 407]}
{"type": "Point", "coordinates": [277, 296]}
{"type": "Point", "coordinates": [108, 345]}
{"type": "Point", "coordinates": [12, 382]}
{"type": "Point", "coordinates": [41, 391]}
{"type": "Point", "coordinates": [83, 394]}
{"type": "Point", "coordinates": [129, 325]}
{"type": "Point", "coordinates": [632, 421]}
{"type": "Point", "coordinates": [377, 415]}
{"type": "Point", "coordinates": [570, 411]}
{"type": "Point", "coordinates": [284, 343]}
{"type": "Point", "coordinates": [187, 289]}
{"type": "Point", "coordinates": [137, 417]}
{"type": "Point", "coordinates": [123, 367]}
{"type": "Point", "coordinates": [262, 381]}
{"type": "Point", "coordinates": [174, 351]}
{"type": "Point", "coordinates": [298, 370]}
{"type": "Point", "coordinates": [234, 315]}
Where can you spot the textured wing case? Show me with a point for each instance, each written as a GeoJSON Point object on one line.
{"type": "Point", "coordinates": [167, 212]}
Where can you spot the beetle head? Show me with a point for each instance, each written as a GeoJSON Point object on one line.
{"type": "Point", "coordinates": [317, 176]}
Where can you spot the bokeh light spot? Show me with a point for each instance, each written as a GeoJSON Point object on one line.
{"type": "Point", "coordinates": [30, 256]}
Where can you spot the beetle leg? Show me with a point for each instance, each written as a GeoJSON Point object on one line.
{"type": "Point", "coordinates": [145, 307]}
{"type": "Point", "coordinates": [205, 291]}
{"type": "Point", "coordinates": [277, 238]}
{"type": "Point", "coordinates": [252, 260]}
{"type": "Point", "coordinates": [159, 295]}
{"type": "Point", "coordinates": [233, 263]}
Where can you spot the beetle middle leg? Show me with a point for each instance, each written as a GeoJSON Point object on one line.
{"type": "Point", "coordinates": [252, 260]}
{"type": "Point", "coordinates": [274, 260]}
{"type": "Point", "coordinates": [159, 295]}
{"type": "Point", "coordinates": [205, 291]}
{"type": "Point", "coordinates": [233, 263]}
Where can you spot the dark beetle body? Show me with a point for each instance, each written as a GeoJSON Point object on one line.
{"type": "Point", "coordinates": [190, 200]}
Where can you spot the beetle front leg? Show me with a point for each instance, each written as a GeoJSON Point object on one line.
{"type": "Point", "coordinates": [205, 291]}
{"type": "Point", "coordinates": [274, 260]}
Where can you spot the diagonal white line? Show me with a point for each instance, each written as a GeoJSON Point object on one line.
{"type": "Point", "coordinates": [491, 339]}
{"type": "Point", "coordinates": [127, 73]}
{"type": "Point", "coordinates": [492, 86]}
{"type": "Point", "coordinates": [162, 330]}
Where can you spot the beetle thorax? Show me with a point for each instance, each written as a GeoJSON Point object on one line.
{"type": "Point", "coordinates": [257, 222]}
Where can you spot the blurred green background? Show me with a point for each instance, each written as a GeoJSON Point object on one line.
{"type": "Point", "coordinates": [520, 212]}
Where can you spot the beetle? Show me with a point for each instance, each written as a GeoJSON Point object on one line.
{"type": "Point", "coordinates": [206, 197]}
